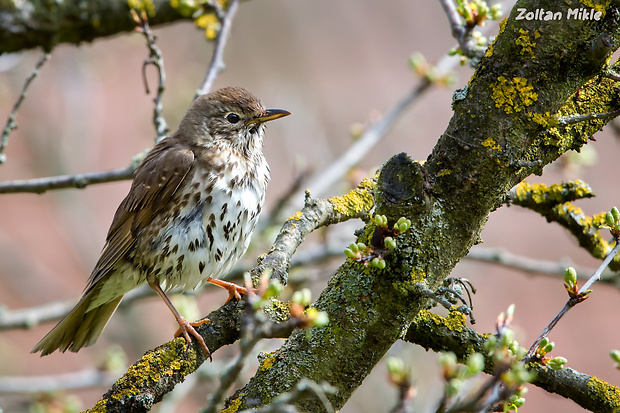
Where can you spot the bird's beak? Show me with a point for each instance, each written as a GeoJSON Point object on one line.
{"type": "Point", "coordinates": [270, 114]}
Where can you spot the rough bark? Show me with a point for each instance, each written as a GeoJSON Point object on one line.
{"type": "Point", "coordinates": [34, 23]}
{"type": "Point", "coordinates": [503, 130]}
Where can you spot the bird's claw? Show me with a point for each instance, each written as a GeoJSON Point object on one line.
{"type": "Point", "coordinates": [186, 328]}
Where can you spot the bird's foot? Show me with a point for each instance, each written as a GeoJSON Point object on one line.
{"type": "Point", "coordinates": [234, 291]}
{"type": "Point", "coordinates": [186, 328]}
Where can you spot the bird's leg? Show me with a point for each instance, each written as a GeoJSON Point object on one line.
{"type": "Point", "coordinates": [185, 327]}
{"type": "Point", "coordinates": [234, 290]}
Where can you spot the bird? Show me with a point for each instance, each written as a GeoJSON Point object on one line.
{"type": "Point", "coordinates": [188, 217]}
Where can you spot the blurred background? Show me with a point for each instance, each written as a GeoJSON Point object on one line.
{"type": "Point", "coordinates": [335, 66]}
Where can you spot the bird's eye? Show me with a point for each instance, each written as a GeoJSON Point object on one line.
{"type": "Point", "coordinates": [233, 118]}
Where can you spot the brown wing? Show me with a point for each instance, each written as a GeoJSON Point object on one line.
{"type": "Point", "coordinates": [156, 180]}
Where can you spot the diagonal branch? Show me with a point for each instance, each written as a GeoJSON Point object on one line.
{"type": "Point", "coordinates": [440, 334]}
{"type": "Point", "coordinates": [316, 213]}
{"type": "Point", "coordinates": [153, 376]}
{"type": "Point", "coordinates": [553, 204]}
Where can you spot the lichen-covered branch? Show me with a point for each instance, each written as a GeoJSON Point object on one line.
{"type": "Point", "coordinates": [162, 368]}
{"type": "Point", "coordinates": [159, 370]}
{"type": "Point", "coordinates": [554, 204]}
{"type": "Point", "coordinates": [440, 334]}
{"type": "Point", "coordinates": [28, 24]}
{"type": "Point", "coordinates": [315, 214]}
{"type": "Point", "coordinates": [500, 133]}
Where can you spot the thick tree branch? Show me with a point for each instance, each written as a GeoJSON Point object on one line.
{"type": "Point", "coordinates": [487, 149]}
{"type": "Point", "coordinates": [440, 334]}
{"type": "Point", "coordinates": [28, 24]}
{"type": "Point", "coordinates": [151, 377]}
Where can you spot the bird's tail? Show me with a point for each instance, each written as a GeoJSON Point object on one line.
{"type": "Point", "coordinates": [80, 328]}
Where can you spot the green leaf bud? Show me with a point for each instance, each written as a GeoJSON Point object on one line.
{"type": "Point", "coordinates": [390, 243]}
{"type": "Point", "coordinates": [609, 219]}
{"type": "Point", "coordinates": [319, 318]}
{"type": "Point", "coordinates": [381, 220]}
{"type": "Point", "coordinates": [274, 289]}
{"type": "Point", "coordinates": [302, 297]}
{"type": "Point", "coordinates": [447, 361]}
{"type": "Point", "coordinates": [570, 277]}
{"type": "Point", "coordinates": [549, 348]}
{"type": "Point", "coordinates": [475, 363]}
{"type": "Point", "coordinates": [378, 263]}
{"type": "Point", "coordinates": [454, 386]}
{"type": "Point", "coordinates": [557, 363]}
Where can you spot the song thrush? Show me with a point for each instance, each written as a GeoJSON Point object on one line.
{"type": "Point", "coordinates": [188, 217]}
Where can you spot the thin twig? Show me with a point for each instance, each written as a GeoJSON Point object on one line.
{"type": "Point", "coordinates": [526, 264]}
{"type": "Point", "coordinates": [40, 185]}
{"type": "Point", "coordinates": [572, 301]}
{"type": "Point", "coordinates": [569, 120]}
{"type": "Point", "coordinates": [217, 58]}
{"type": "Point", "coordinates": [461, 32]}
{"type": "Point", "coordinates": [156, 59]}
{"type": "Point", "coordinates": [10, 124]}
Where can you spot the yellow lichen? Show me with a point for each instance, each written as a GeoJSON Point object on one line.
{"type": "Point", "coordinates": [545, 120]}
{"type": "Point", "coordinates": [513, 95]}
{"type": "Point", "coordinates": [444, 172]}
{"type": "Point", "coordinates": [296, 217]}
{"type": "Point", "coordinates": [490, 143]}
{"type": "Point", "coordinates": [556, 193]}
{"type": "Point", "coordinates": [267, 363]}
{"type": "Point", "coordinates": [526, 44]}
{"type": "Point", "coordinates": [489, 51]}
{"type": "Point", "coordinates": [210, 23]}
{"type": "Point", "coordinates": [233, 406]}
{"type": "Point", "coordinates": [455, 320]}
{"type": "Point", "coordinates": [417, 276]}
{"type": "Point", "coordinates": [604, 393]}
{"type": "Point", "coordinates": [358, 200]}
{"type": "Point", "coordinates": [597, 5]}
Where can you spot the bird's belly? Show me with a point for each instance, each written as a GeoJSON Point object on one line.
{"type": "Point", "coordinates": [206, 239]}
